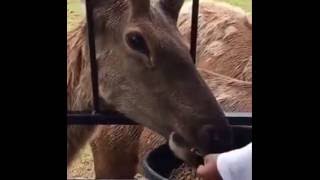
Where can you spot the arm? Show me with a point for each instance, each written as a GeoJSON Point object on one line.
{"type": "Point", "coordinates": [236, 164]}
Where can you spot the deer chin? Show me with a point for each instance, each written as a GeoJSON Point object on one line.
{"type": "Point", "coordinates": [183, 151]}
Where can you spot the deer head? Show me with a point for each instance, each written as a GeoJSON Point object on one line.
{"type": "Point", "coordinates": [145, 72]}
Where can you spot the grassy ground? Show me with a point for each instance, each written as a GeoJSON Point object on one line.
{"type": "Point", "coordinates": [83, 166]}
{"type": "Point", "coordinates": [74, 13]}
{"type": "Point", "coordinates": [244, 4]}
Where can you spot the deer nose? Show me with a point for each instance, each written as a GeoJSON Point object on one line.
{"type": "Point", "coordinates": [214, 139]}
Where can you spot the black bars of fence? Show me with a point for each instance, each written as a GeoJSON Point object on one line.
{"type": "Point", "coordinates": [194, 30]}
{"type": "Point", "coordinates": [234, 118]}
{"type": "Point", "coordinates": [93, 62]}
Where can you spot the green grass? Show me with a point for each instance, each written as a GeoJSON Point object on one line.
{"type": "Point", "coordinates": [244, 4]}
{"type": "Point", "coordinates": [74, 13]}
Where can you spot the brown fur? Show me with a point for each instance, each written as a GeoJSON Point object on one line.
{"type": "Point", "coordinates": [79, 97]}
{"type": "Point", "coordinates": [113, 145]}
{"type": "Point", "coordinates": [228, 76]}
{"type": "Point", "coordinates": [115, 151]}
{"type": "Point", "coordinates": [234, 96]}
{"type": "Point", "coordinates": [116, 146]}
{"type": "Point", "coordinates": [224, 43]}
{"type": "Point", "coordinates": [78, 68]}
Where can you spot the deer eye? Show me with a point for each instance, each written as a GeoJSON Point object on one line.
{"type": "Point", "coordinates": [136, 42]}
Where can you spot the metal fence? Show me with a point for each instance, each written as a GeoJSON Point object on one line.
{"type": "Point", "coordinates": [98, 117]}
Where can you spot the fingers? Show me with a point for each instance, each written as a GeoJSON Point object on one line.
{"type": "Point", "coordinates": [210, 157]}
{"type": "Point", "coordinates": [208, 171]}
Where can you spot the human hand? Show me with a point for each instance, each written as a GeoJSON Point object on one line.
{"type": "Point", "coordinates": [209, 170]}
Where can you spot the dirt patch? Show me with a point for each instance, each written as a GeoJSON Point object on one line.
{"type": "Point", "coordinates": [82, 167]}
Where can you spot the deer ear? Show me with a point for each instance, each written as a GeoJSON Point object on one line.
{"type": "Point", "coordinates": [139, 8]}
{"type": "Point", "coordinates": [171, 8]}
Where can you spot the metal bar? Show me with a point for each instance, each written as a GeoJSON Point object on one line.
{"type": "Point", "coordinates": [238, 114]}
{"type": "Point", "coordinates": [239, 118]}
{"type": "Point", "coordinates": [116, 118]}
{"type": "Point", "coordinates": [89, 119]}
{"type": "Point", "coordinates": [194, 29]}
{"type": "Point", "coordinates": [244, 127]}
{"type": "Point", "coordinates": [92, 51]}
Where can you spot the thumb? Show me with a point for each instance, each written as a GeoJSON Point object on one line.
{"type": "Point", "coordinates": [206, 170]}
{"type": "Point", "coordinates": [201, 170]}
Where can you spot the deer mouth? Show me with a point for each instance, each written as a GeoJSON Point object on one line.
{"type": "Point", "coordinates": [184, 151]}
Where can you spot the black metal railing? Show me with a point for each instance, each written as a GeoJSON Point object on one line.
{"type": "Point", "coordinates": [97, 117]}
{"type": "Point", "coordinates": [93, 62]}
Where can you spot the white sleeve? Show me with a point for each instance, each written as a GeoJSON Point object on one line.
{"type": "Point", "coordinates": [236, 164]}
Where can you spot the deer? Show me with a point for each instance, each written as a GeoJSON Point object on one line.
{"type": "Point", "coordinates": [224, 43]}
{"type": "Point", "coordinates": [145, 72]}
{"type": "Point", "coordinates": [233, 95]}
{"type": "Point", "coordinates": [229, 77]}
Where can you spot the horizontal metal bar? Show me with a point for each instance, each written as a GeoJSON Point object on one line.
{"type": "Point", "coordinates": [239, 118]}
{"type": "Point", "coordinates": [238, 114]}
{"type": "Point", "coordinates": [90, 119]}
{"type": "Point", "coordinates": [242, 127]}
{"type": "Point", "coordinates": [116, 118]}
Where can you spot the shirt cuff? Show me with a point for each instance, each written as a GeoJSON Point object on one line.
{"type": "Point", "coordinates": [236, 164]}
